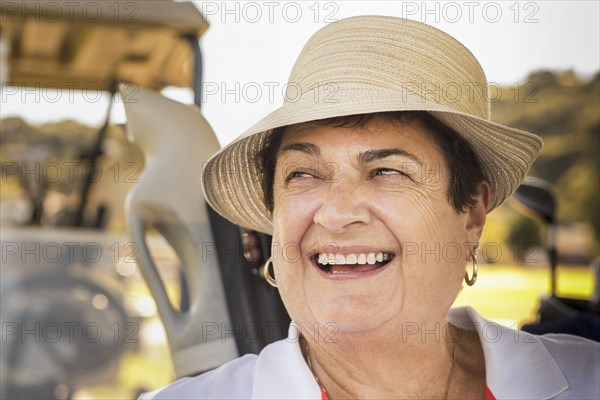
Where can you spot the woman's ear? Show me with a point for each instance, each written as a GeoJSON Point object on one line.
{"type": "Point", "coordinates": [478, 213]}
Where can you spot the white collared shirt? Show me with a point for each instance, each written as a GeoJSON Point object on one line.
{"type": "Point", "coordinates": [518, 365]}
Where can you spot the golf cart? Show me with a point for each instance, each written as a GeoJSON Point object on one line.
{"type": "Point", "coordinates": [143, 46]}
{"type": "Point", "coordinates": [558, 314]}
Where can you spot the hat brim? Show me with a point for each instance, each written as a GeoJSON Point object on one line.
{"type": "Point", "coordinates": [232, 181]}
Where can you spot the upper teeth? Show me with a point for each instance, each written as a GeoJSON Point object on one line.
{"type": "Point", "coordinates": [351, 259]}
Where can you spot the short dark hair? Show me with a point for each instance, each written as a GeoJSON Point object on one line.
{"type": "Point", "coordinates": [463, 165]}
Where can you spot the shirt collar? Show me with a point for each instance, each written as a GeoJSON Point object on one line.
{"type": "Point", "coordinates": [282, 373]}
{"type": "Point", "coordinates": [517, 363]}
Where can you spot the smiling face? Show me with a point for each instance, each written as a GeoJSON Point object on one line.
{"type": "Point", "coordinates": [364, 234]}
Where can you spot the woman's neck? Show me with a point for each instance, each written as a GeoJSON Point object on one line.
{"type": "Point", "coordinates": [373, 365]}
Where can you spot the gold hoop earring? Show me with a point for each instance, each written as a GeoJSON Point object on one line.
{"type": "Point", "coordinates": [267, 274]}
{"type": "Point", "coordinates": [471, 281]}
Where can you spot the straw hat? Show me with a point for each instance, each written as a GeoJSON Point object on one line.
{"type": "Point", "coordinates": [373, 64]}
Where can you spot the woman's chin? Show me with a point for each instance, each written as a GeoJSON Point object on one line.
{"type": "Point", "coordinates": [349, 314]}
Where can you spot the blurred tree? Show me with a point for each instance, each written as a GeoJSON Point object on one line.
{"type": "Point", "coordinates": [565, 110]}
{"type": "Point", "coordinates": [523, 238]}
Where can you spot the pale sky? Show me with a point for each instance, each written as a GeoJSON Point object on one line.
{"type": "Point", "coordinates": [253, 45]}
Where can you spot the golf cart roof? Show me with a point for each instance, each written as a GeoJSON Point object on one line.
{"type": "Point", "coordinates": [88, 45]}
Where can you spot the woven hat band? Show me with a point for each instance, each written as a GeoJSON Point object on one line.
{"type": "Point", "coordinates": [427, 65]}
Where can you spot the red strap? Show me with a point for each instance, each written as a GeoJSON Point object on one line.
{"type": "Point", "coordinates": [488, 394]}
{"type": "Point", "coordinates": [324, 395]}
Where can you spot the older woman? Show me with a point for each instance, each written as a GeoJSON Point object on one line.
{"type": "Point", "coordinates": [375, 178]}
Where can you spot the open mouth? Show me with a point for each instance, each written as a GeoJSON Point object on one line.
{"type": "Point", "coordinates": [333, 263]}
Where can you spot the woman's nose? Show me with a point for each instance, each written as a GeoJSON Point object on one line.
{"type": "Point", "coordinates": [342, 206]}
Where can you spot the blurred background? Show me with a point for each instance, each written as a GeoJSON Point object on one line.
{"type": "Point", "coordinates": [78, 320]}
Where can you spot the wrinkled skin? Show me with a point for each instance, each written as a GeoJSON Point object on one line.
{"type": "Point", "coordinates": [327, 200]}
{"type": "Point", "coordinates": [395, 204]}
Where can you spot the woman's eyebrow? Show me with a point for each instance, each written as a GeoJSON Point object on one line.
{"type": "Point", "coordinates": [373, 155]}
{"type": "Point", "coordinates": [363, 158]}
{"type": "Point", "coordinates": [303, 147]}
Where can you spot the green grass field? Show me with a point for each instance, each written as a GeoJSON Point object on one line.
{"type": "Point", "coordinates": [511, 294]}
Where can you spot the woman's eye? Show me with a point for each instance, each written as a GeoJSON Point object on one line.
{"type": "Point", "coordinates": [385, 172]}
{"type": "Point", "coordinates": [389, 173]}
{"type": "Point", "coordinates": [298, 175]}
